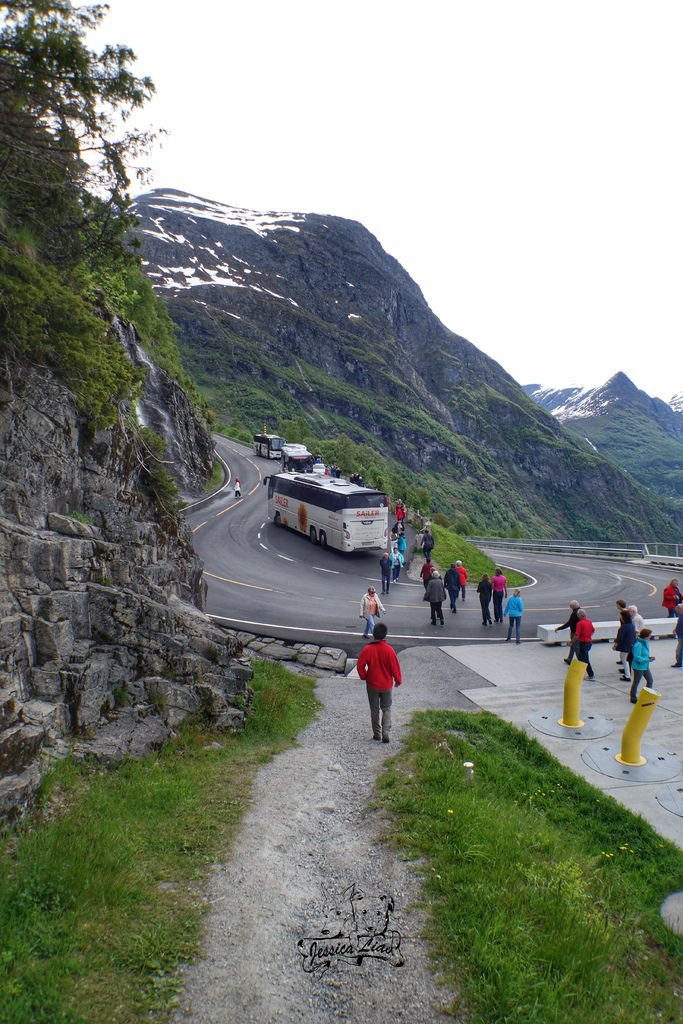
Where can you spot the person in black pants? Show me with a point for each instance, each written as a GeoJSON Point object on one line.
{"type": "Point", "coordinates": [485, 589]}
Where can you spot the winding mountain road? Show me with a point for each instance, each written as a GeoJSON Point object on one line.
{"type": "Point", "coordinates": [270, 580]}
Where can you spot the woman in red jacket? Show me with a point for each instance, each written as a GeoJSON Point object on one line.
{"type": "Point", "coordinates": [671, 597]}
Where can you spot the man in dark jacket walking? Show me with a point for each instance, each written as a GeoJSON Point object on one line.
{"type": "Point", "coordinates": [385, 570]}
{"type": "Point", "coordinates": [452, 584]}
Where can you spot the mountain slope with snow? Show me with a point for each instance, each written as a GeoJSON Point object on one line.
{"type": "Point", "coordinates": [641, 434]}
{"type": "Point", "coordinates": [284, 315]}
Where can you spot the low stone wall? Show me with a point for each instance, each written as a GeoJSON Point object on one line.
{"type": "Point", "coordinates": [323, 659]}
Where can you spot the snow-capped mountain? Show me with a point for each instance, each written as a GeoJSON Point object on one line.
{"type": "Point", "coordinates": [643, 435]}
{"type": "Point", "coordinates": [576, 402]}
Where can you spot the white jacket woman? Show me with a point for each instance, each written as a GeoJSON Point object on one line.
{"type": "Point", "coordinates": [370, 609]}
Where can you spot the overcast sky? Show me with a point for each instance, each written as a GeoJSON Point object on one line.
{"type": "Point", "coordinates": [522, 159]}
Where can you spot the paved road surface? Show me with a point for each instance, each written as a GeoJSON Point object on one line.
{"type": "Point", "coordinates": [266, 579]}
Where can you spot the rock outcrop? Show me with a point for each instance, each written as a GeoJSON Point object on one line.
{"type": "Point", "coordinates": [104, 646]}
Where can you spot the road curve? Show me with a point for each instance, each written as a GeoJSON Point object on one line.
{"type": "Point", "coordinates": [270, 580]}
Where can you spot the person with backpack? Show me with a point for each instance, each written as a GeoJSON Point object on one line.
{"type": "Point", "coordinates": [397, 561]}
{"type": "Point", "coordinates": [427, 542]}
{"type": "Point", "coordinates": [641, 662]}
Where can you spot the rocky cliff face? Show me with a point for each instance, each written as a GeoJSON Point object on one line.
{"type": "Point", "coordinates": [281, 315]}
{"type": "Point", "coordinates": [103, 643]}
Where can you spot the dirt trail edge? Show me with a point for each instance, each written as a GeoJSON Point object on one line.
{"type": "Point", "coordinates": [309, 858]}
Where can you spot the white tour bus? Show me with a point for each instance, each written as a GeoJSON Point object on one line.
{"type": "Point", "coordinates": [297, 458]}
{"type": "Point", "coordinates": [332, 512]}
{"type": "Point", "coordinates": [268, 446]}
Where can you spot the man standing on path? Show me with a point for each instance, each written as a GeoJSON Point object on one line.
{"type": "Point", "coordinates": [570, 624]}
{"type": "Point", "coordinates": [584, 640]}
{"type": "Point", "coordinates": [378, 666]}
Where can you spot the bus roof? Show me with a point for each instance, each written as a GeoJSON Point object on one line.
{"type": "Point", "coordinates": [329, 483]}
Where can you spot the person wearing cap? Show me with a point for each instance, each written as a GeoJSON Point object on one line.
{"type": "Point", "coordinates": [378, 667]}
{"type": "Point", "coordinates": [370, 609]}
{"type": "Point", "coordinates": [436, 595]}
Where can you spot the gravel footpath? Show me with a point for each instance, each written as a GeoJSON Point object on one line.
{"type": "Point", "coordinates": [310, 829]}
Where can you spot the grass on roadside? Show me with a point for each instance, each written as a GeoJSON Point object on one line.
{"type": "Point", "coordinates": [543, 893]}
{"type": "Point", "coordinates": [450, 546]}
{"type": "Point", "coordinates": [101, 892]}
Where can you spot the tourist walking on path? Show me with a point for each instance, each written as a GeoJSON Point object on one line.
{"type": "Point", "coordinates": [641, 662]}
{"type": "Point", "coordinates": [678, 633]}
{"type": "Point", "coordinates": [484, 590]}
{"type": "Point", "coordinates": [379, 668]}
{"type": "Point", "coordinates": [370, 609]}
{"type": "Point", "coordinates": [385, 570]}
{"type": "Point", "coordinates": [514, 607]}
{"type": "Point", "coordinates": [396, 563]}
{"type": "Point", "coordinates": [636, 618]}
{"type": "Point", "coordinates": [426, 572]}
{"type": "Point", "coordinates": [624, 641]}
{"type": "Point", "coordinates": [671, 597]}
{"type": "Point", "coordinates": [570, 624]}
{"type": "Point", "coordinates": [499, 585]}
{"type": "Point", "coordinates": [462, 573]}
{"type": "Point", "coordinates": [584, 640]}
{"type": "Point", "coordinates": [451, 581]}
{"type": "Point", "coordinates": [436, 595]}
{"type": "Point", "coordinates": [427, 542]}
{"type": "Point", "coordinates": [402, 545]}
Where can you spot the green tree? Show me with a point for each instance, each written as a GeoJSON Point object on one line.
{"type": "Point", "coordinates": [63, 196]}
{"type": "Point", "coordinates": [63, 177]}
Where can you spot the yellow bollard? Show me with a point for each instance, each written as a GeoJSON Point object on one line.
{"type": "Point", "coordinates": [571, 706]}
{"type": "Point", "coordinates": [636, 726]}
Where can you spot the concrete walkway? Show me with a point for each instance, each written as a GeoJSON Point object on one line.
{"type": "Point", "coordinates": [529, 679]}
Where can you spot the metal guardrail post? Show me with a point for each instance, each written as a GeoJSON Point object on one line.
{"type": "Point", "coordinates": [571, 708]}
{"type": "Point", "coordinates": [636, 726]}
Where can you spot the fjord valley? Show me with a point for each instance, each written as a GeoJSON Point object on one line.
{"type": "Point", "coordinates": [305, 317]}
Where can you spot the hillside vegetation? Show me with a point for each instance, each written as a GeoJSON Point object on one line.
{"type": "Point", "coordinates": [292, 316]}
{"type": "Point", "coordinates": [65, 267]}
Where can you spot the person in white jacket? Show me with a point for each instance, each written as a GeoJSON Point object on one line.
{"type": "Point", "coordinates": [370, 609]}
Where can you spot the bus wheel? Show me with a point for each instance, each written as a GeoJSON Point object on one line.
{"type": "Point", "coordinates": [313, 535]}
{"type": "Point", "coordinates": [276, 519]}
{"type": "Point", "coordinates": [323, 539]}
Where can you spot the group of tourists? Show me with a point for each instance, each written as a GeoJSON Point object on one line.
{"type": "Point", "coordinates": [495, 589]}
{"type": "Point", "coordinates": [378, 665]}
{"type": "Point", "coordinates": [631, 643]}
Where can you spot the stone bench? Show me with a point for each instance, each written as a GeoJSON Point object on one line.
{"type": "Point", "coordinates": [603, 630]}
